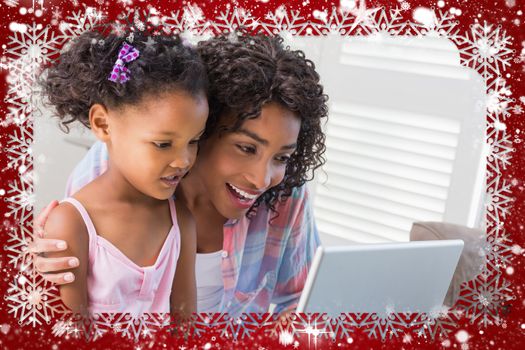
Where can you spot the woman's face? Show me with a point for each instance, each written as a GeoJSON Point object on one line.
{"type": "Point", "coordinates": [237, 167]}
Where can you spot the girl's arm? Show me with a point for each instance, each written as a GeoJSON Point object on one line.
{"type": "Point", "coordinates": [183, 301]}
{"type": "Point", "coordinates": [65, 223]}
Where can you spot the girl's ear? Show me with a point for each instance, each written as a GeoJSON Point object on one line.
{"type": "Point", "coordinates": [98, 120]}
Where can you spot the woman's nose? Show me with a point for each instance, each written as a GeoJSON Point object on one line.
{"type": "Point", "coordinates": [260, 176]}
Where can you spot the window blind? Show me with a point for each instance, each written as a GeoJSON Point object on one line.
{"type": "Point", "coordinates": [404, 136]}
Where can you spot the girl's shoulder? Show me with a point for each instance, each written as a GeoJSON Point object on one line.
{"type": "Point", "coordinates": [65, 222]}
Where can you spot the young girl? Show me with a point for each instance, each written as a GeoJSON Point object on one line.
{"type": "Point", "coordinates": [146, 100]}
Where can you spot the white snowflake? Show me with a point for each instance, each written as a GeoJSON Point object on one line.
{"type": "Point", "coordinates": [343, 325]}
{"type": "Point", "coordinates": [189, 22]}
{"type": "Point", "coordinates": [19, 238]}
{"type": "Point", "coordinates": [391, 325]}
{"type": "Point", "coordinates": [56, 15]}
{"type": "Point", "coordinates": [32, 300]}
{"type": "Point", "coordinates": [78, 23]}
{"type": "Point", "coordinates": [232, 20]}
{"type": "Point", "coordinates": [133, 327]}
{"type": "Point", "coordinates": [497, 249]}
{"type": "Point", "coordinates": [19, 149]}
{"type": "Point", "coordinates": [498, 201]}
{"type": "Point", "coordinates": [243, 326]}
{"type": "Point", "coordinates": [498, 101]}
{"type": "Point", "coordinates": [77, 326]}
{"type": "Point", "coordinates": [21, 94]}
{"type": "Point", "coordinates": [388, 23]}
{"type": "Point", "coordinates": [435, 326]}
{"type": "Point", "coordinates": [20, 201]}
{"type": "Point", "coordinates": [487, 49]}
{"type": "Point", "coordinates": [363, 16]}
{"type": "Point", "coordinates": [500, 150]}
{"type": "Point", "coordinates": [203, 322]}
{"type": "Point", "coordinates": [37, 44]}
{"type": "Point", "coordinates": [485, 297]}
{"type": "Point", "coordinates": [282, 22]}
{"type": "Point", "coordinates": [443, 24]}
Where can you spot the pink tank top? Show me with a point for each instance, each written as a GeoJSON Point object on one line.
{"type": "Point", "coordinates": [118, 285]}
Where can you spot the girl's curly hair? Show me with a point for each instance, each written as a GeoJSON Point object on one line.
{"type": "Point", "coordinates": [246, 72]}
{"type": "Point", "coordinates": [80, 78]}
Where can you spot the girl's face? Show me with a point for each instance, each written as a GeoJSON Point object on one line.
{"type": "Point", "coordinates": [237, 167]}
{"type": "Point", "coordinates": [153, 144]}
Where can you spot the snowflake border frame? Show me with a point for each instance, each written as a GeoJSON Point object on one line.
{"type": "Point", "coordinates": [23, 62]}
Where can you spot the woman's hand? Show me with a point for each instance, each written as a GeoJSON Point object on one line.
{"type": "Point", "coordinates": [48, 267]}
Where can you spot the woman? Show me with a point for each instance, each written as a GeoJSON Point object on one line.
{"type": "Point", "coordinates": [256, 234]}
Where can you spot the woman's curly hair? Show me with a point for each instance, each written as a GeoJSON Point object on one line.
{"type": "Point", "coordinates": [246, 72]}
{"type": "Point", "coordinates": [80, 78]}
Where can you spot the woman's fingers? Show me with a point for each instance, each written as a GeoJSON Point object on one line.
{"type": "Point", "coordinates": [59, 278]}
{"type": "Point", "coordinates": [42, 218]}
{"type": "Point", "coordinates": [43, 264]}
{"type": "Point", "coordinates": [46, 245]}
{"type": "Point", "coordinates": [39, 246]}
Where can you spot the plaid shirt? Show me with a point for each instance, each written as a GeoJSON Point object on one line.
{"type": "Point", "coordinates": [264, 261]}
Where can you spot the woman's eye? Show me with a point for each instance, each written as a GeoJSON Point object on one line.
{"type": "Point", "coordinates": [246, 149]}
{"type": "Point", "coordinates": [283, 159]}
{"type": "Point", "coordinates": [194, 142]}
{"type": "Point", "coordinates": [162, 145]}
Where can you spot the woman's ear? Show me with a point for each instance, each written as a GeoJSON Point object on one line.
{"type": "Point", "coordinates": [98, 120]}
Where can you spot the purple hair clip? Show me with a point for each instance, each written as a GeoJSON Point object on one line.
{"type": "Point", "coordinates": [120, 73]}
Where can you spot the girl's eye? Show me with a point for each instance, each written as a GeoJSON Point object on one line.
{"type": "Point", "coordinates": [162, 145]}
{"type": "Point", "coordinates": [194, 142]}
{"type": "Point", "coordinates": [246, 149]}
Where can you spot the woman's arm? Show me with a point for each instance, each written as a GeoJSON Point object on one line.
{"type": "Point", "coordinates": [39, 246]}
{"type": "Point", "coordinates": [183, 301]}
{"type": "Point", "coordinates": [90, 167]}
{"type": "Point", "coordinates": [65, 223]}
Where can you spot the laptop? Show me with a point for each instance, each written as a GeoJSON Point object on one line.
{"type": "Point", "coordinates": [381, 278]}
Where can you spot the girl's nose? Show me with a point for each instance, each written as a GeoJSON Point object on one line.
{"type": "Point", "coordinates": [183, 159]}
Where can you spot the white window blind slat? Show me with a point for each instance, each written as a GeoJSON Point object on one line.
{"type": "Point", "coordinates": [385, 128]}
{"type": "Point", "coordinates": [364, 213]}
{"type": "Point", "coordinates": [388, 153]}
{"type": "Point", "coordinates": [340, 173]}
{"type": "Point", "coordinates": [342, 232]}
{"type": "Point", "coordinates": [420, 120]}
{"type": "Point", "coordinates": [431, 51]}
{"type": "Point", "coordinates": [377, 203]}
{"type": "Point", "coordinates": [417, 147]}
{"type": "Point", "coordinates": [352, 222]}
{"type": "Point", "coordinates": [386, 192]}
{"type": "Point", "coordinates": [399, 65]}
{"type": "Point", "coordinates": [388, 167]}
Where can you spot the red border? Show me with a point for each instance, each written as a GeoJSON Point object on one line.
{"type": "Point", "coordinates": [512, 336]}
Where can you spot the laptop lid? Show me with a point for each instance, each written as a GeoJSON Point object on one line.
{"type": "Point", "coordinates": [380, 278]}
